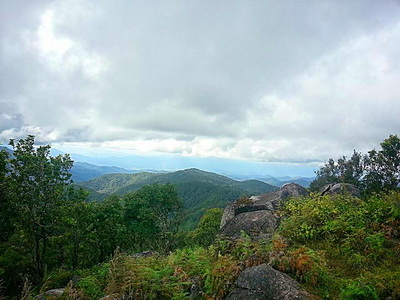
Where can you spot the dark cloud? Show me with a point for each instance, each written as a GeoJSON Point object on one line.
{"type": "Point", "coordinates": [252, 79]}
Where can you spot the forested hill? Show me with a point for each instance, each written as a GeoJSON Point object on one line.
{"type": "Point", "coordinates": [199, 190]}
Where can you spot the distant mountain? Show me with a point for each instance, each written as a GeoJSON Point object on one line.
{"type": "Point", "coordinates": [199, 190]}
{"type": "Point", "coordinates": [82, 171]}
{"type": "Point", "coordinates": [280, 181]}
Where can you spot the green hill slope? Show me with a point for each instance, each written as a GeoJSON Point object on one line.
{"type": "Point", "coordinates": [198, 189]}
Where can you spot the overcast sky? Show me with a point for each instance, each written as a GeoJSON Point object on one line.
{"type": "Point", "coordinates": [274, 81]}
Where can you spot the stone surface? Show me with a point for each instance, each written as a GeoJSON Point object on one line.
{"type": "Point", "coordinates": [54, 292]}
{"type": "Point", "coordinates": [340, 188]}
{"type": "Point", "coordinates": [257, 224]}
{"type": "Point", "coordinates": [268, 201]}
{"type": "Point", "coordinates": [144, 254]}
{"type": "Point", "coordinates": [291, 190]}
{"type": "Point", "coordinates": [264, 282]}
{"type": "Point", "coordinates": [244, 205]}
{"type": "Point", "coordinates": [255, 215]}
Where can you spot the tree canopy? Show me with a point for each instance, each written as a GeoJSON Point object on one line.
{"type": "Point", "coordinates": [376, 171]}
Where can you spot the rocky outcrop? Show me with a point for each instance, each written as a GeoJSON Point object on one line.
{"type": "Point", "coordinates": [264, 282]}
{"type": "Point", "coordinates": [257, 224]}
{"type": "Point", "coordinates": [340, 188]}
{"type": "Point", "coordinates": [256, 215]}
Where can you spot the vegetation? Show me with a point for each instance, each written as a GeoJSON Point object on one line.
{"type": "Point", "coordinates": [199, 190]}
{"type": "Point", "coordinates": [46, 224]}
{"type": "Point", "coordinates": [374, 172]}
{"type": "Point", "coordinates": [337, 247]}
{"type": "Point", "coordinates": [342, 244]}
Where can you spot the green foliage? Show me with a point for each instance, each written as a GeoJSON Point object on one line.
{"type": "Point", "coordinates": [145, 278]}
{"type": "Point", "coordinates": [35, 186]}
{"type": "Point", "coordinates": [374, 172]}
{"type": "Point", "coordinates": [153, 214]}
{"type": "Point", "coordinates": [208, 228]}
{"type": "Point", "coordinates": [344, 170]}
{"type": "Point", "coordinates": [338, 247]}
{"type": "Point", "coordinates": [171, 277]}
{"type": "Point", "coordinates": [199, 190]}
{"type": "Point", "coordinates": [359, 291]}
{"type": "Point", "coordinates": [351, 245]}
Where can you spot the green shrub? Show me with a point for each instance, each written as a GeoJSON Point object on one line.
{"type": "Point", "coordinates": [91, 287]}
{"type": "Point", "coordinates": [340, 239]}
{"type": "Point", "coordinates": [359, 291]}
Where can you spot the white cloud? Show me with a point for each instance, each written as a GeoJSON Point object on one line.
{"type": "Point", "coordinates": [237, 82]}
{"type": "Point", "coordinates": [62, 54]}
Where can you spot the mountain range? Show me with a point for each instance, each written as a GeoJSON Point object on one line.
{"type": "Point", "coordinates": [199, 190]}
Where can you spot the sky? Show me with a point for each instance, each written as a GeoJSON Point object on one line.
{"type": "Point", "coordinates": [279, 82]}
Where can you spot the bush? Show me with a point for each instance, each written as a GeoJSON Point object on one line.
{"type": "Point", "coordinates": [359, 291]}
{"type": "Point", "coordinates": [341, 243]}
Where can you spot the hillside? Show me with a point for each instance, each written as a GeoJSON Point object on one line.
{"type": "Point", "coordinates": [198, 189]}
{"type": "Point", "coordinates": [82, 171]}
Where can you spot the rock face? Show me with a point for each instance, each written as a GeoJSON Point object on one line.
{"type": "Point", "coordinates": [255, 215]}
{"type": "Point", "coordinates": [257, 224]}
{"type": "Point", "coordinates": [264, 282]}
{"type": "Point", "coordinates": [340, 188]}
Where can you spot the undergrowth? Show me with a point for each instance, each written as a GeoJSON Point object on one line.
{"type": "Point", "coordinates": [342, 247]}
{"type": "Point", "coordinates": [212, 271]}
{"type": "Point", "coordinates": [336, 247]}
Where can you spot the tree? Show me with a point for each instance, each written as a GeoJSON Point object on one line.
{"type": "Point", "coordinates": [153, 214]}
{"type": "Point", "coordinates": [343, 171]}
{"type": "Point", "coordinates": [109, 226]}
{"type": "Point", "coordinates": [383, 166]}
{"type": "Point", "coordinates": [208, 228]}
{"type": "Point", "coordinates": [7, 211]}
{"type": "Point", "coordinates": [74, 236]}
{"type": "Point", "coordinates": [376, 171]}
{"type": "Point", "coordinates": [38, 183]}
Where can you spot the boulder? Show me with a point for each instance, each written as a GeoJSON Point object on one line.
{"type": "Point", "coordinates": [292, 190]}
{"type": "Point", "coordinates": [264, 282]}
{"type": "Point", "coordinates": [244, 205]}
{"type": "Point", "coordinates": [54, 292]}
{"type": "Point", "coordinates": [144, 254]}
{"type": "Point", "coordinates": [255, 215]}
{"type": "Point", "coordinates": [257, 224]}
{"type": "Point", "coordinates": [340, 188]}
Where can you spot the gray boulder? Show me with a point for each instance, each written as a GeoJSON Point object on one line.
{"type": "Point", "coordinates": [244, 205]}
{"type": "Point", "coordinates": [255, 215]}
{"type": "Point", "coordinates": [292, 190]}
{"type": "Point", "coordinates": [54, 293]}
{"type": "Point", "coordinates": [264, 282]}
{"type": "Point", "coordinates": [144, 254]}
{"type": "Point", "coordinates": [340, 188]}
{"type": "Point", "coordinates": [257, 224]}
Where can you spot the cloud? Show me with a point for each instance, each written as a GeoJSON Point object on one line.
{"type": "Point", "coordinates": [266, 81]}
